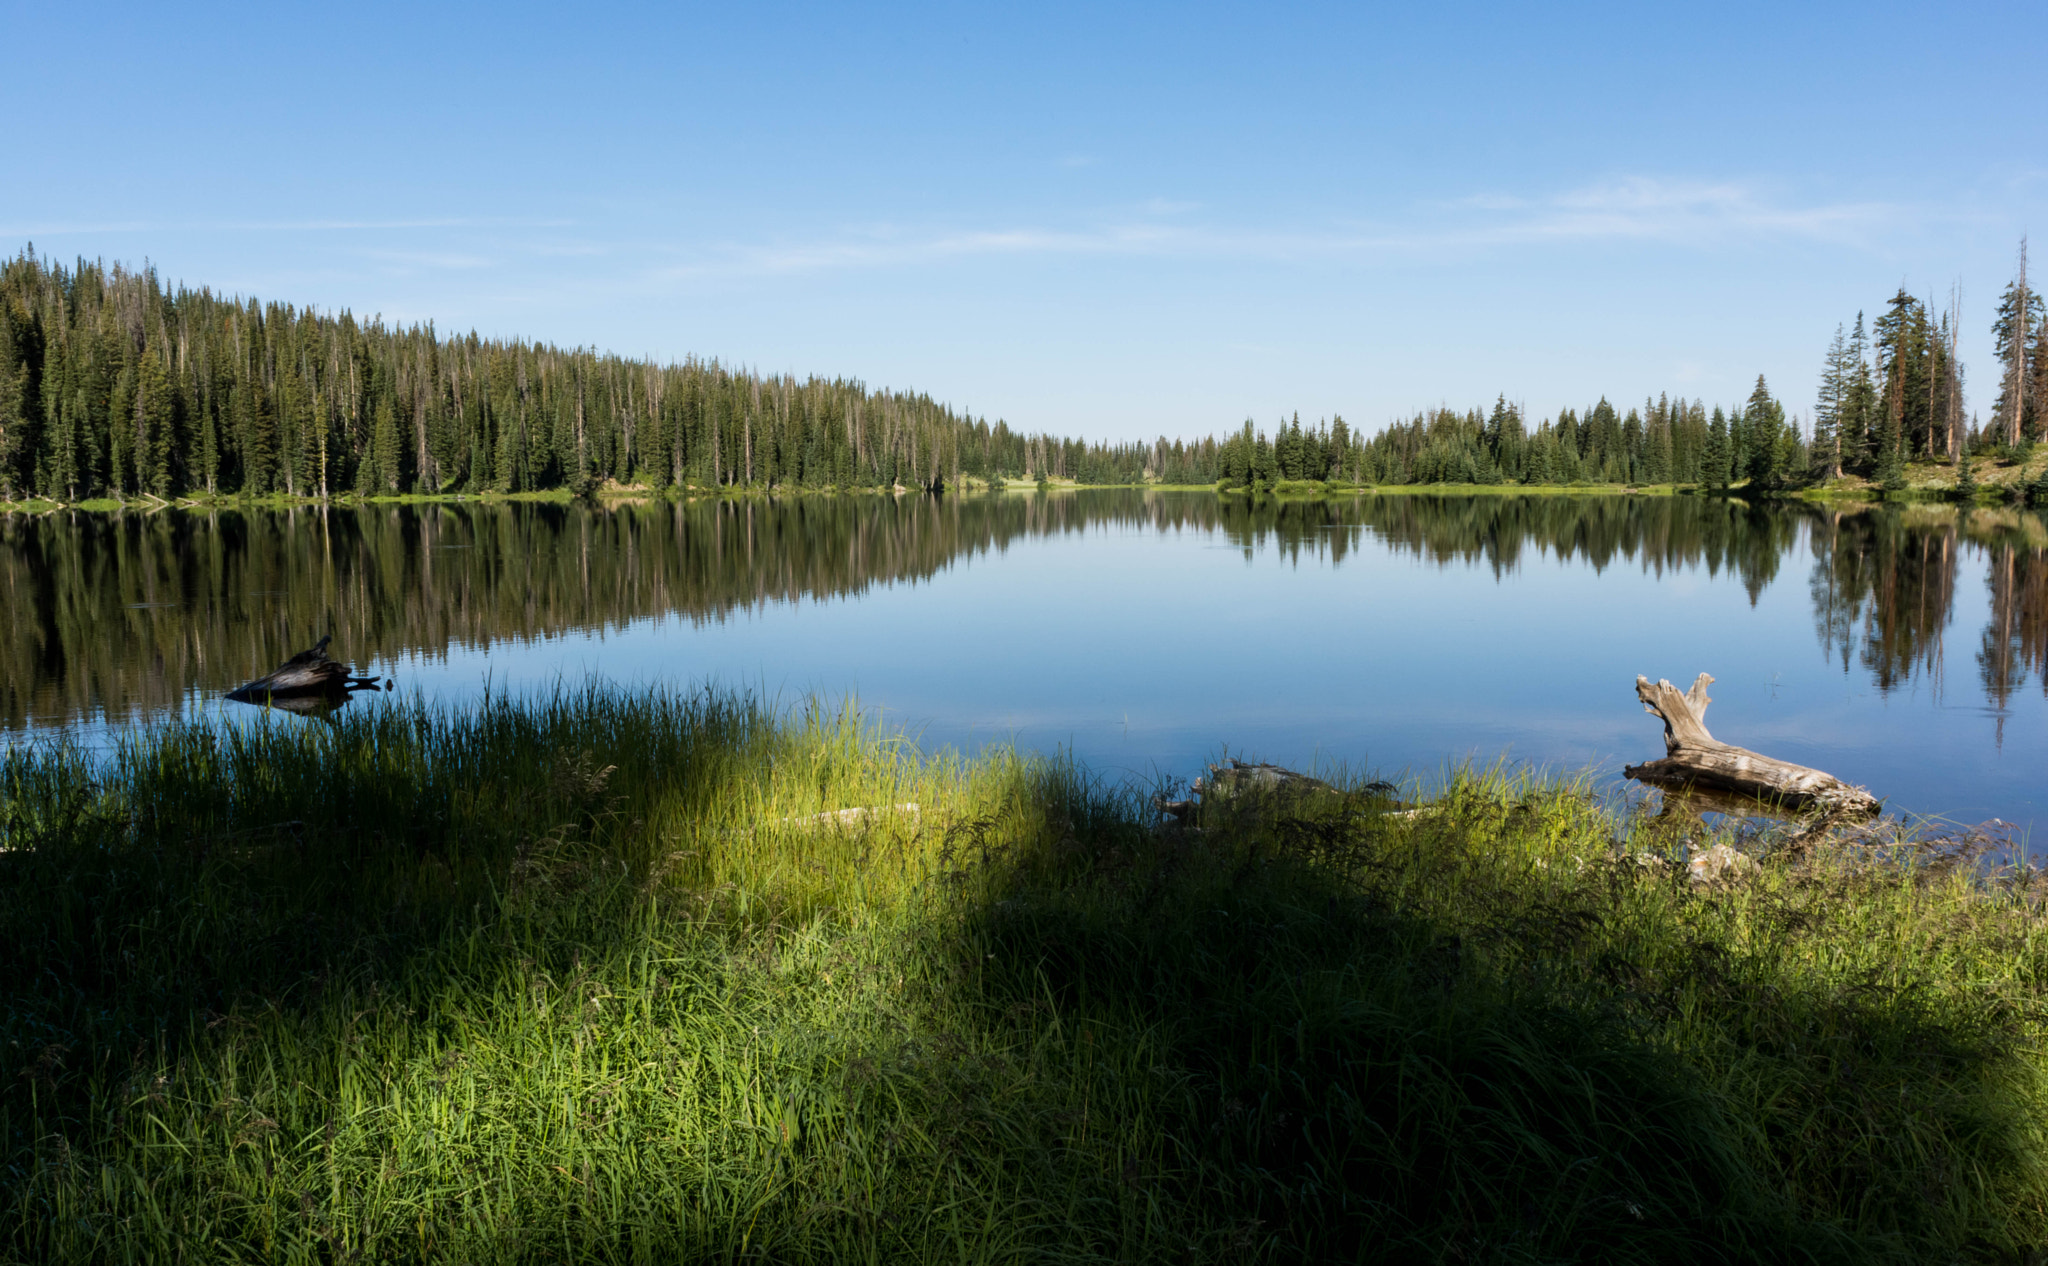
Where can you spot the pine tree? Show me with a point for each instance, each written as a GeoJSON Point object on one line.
{"type": "Point", "coordinates": [1794, 458]}
{"type": "Point", "coordinates": [121, 433]}
{"type": "Point", "coordinates": [63, 409]}
{"type": "Point", "coordinates": [1688, 440]}
{"type": "Point", "coordinates": [512, 444]}
{"type": "Point", "coordinates": [299, 464]}
{"type": "Point", "coordinates": [1657, 447]}
{"type": "Point", "coordinates": [257, 423]}
{"type": "Point", "coordinates": [2037, 392]}
{"type": "Point", "coordinates": [384, 447]}
{"type": "Point", "coordinates": [2016, 333]}
{"type": "Point", "coordinates": [1764, 452]}
{"type": "Point", "coordinates": [1903, 361]}
{"type": "Point", "coordinates": [1948, 404]}
{"type": "Point", "coordinates": [1265, 463]}
{"type": "Point", "coordinates": [1859, 406]}
{"type": "Point", "coordinates": [209, 451]}
{"type": "Point", "coordinates": [1836, 375]}
{"type": "Point", "coordinates": [1717, 459]}
{"type": "Point", "coordinates": [317, 459]}
{"type": "Point", "coordinates": [152, 426]}
{"type": "Point", "coordinates": [16, 394]}
{"type": "Point", "coordinates": [1891, 469]}
{"type": "Point", "coordinates": [1603, 440]}
{"type": "Point", "coordinates": [1738, 447]}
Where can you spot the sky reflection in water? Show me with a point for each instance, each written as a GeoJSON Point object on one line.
{"type": "Point", "coordinates": [1147, 633]}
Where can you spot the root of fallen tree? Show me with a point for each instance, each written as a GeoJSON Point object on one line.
{"type": "Point", "coordinates": [308, 677]}
{"type": "Point", "coordinates": [1695, 758]}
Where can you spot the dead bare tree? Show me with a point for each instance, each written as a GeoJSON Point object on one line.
{"type": "Point", "coordinates": [1953, 393]}
{"type": "Point", "coordinates": [2018, 394]}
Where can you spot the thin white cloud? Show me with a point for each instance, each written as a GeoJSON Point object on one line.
{"type": "Point", "coordinates": [338, 226]}
{"type": "Point", "coordinates": [1682, 213]}
{"type": "Point", "coordinates": [73, 230]}
{"type": "Point", "coordinates": [575, 250]}
{"type": "Point", "coordinates": [883, 248]}
{"type": "Point", "coordinates": [430, 259]}
{"type": "Point", "coordinates": [1692, 212]}
{"type": "Point", "coordinates": [1642, 208]}
{"type": "Point", "coordinates": [90, 228]}
{"type": "Point", "coordinates": [1489, 202]}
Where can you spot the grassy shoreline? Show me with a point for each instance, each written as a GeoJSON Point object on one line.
{"type": "Point", "coordinates": [590, 978]}
{"type": "Point", "coordinates": [1285, 489]}
{"type": "Point", "coordinates": [1925, 480]}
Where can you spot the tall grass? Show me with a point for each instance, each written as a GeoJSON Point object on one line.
{"type": "Point", "coordinates": [588, 978]}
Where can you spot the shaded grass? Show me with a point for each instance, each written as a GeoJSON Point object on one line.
{"type": "Point", "coordinates": [577, 980]}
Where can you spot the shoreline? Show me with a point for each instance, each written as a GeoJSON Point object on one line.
{"type": "Point", "coordinates": [630, 958]}
{"type": "Point", "coordinates": [1992, 493]}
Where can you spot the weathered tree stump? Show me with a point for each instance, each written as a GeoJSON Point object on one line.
{"type": "Point", "coordinates": [304, 682]}
{"type": "Point", "coordinates": [1695, 758]}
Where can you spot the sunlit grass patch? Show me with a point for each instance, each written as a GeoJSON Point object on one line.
{"type": "Point", "coordinates": [650, 977]}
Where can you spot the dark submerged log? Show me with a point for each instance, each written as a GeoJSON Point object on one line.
{"type": "Point", "coordinates": [1696, 759]}
{"type": "Point", "coordinates": [1257, 786]}
{"type": "Point", "coordinates": [304, 682]}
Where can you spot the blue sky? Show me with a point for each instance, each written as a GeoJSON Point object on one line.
{"type": "Point", "coordinates": [1113, 221]}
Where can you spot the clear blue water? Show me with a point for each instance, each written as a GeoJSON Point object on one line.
{"type": "Point", "coordinates": [1147, 634]}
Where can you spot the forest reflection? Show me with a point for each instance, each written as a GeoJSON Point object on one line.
{"type": "Point", "coordinates": [124, 614]}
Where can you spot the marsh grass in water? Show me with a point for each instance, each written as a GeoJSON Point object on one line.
{"type": "Point", "coordinates": [588, 978]}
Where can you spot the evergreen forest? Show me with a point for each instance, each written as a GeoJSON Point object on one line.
{"type": "Point", "coordinates": [114, 385]}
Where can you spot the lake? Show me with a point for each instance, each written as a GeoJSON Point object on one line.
{"type": "Point", "coordinates": [1901, 647]}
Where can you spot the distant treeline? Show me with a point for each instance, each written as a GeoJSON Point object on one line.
{"type": "Point", "coordinates": [112, 385]}
{"type": "Point", "coordinates": [1890, 392]}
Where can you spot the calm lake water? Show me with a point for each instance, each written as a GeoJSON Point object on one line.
{"type": "Point", "coordinates": [1903, 648]}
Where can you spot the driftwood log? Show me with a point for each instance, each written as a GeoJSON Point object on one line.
{"type": "Point", "coordinates": [1695, 758]}
{"type": "Point", "coordinates": [306, 681]}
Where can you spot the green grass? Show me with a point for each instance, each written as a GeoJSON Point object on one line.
{"type": "Point", "coordinates": [201, 501]}
{"type": "Point", "coordinates": [577, 980]}
{"type": "Point", "coordinates": [1336, 487]}
{"type": "Point", "coordinates": [1288, 488]}
{"type": "Point", "coordinates": [267, 501]}
{"type": "Point", "coordinates": [1536, 490]}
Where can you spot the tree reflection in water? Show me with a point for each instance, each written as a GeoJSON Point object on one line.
{"type": "Point", "coordinates": [124, 615]}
